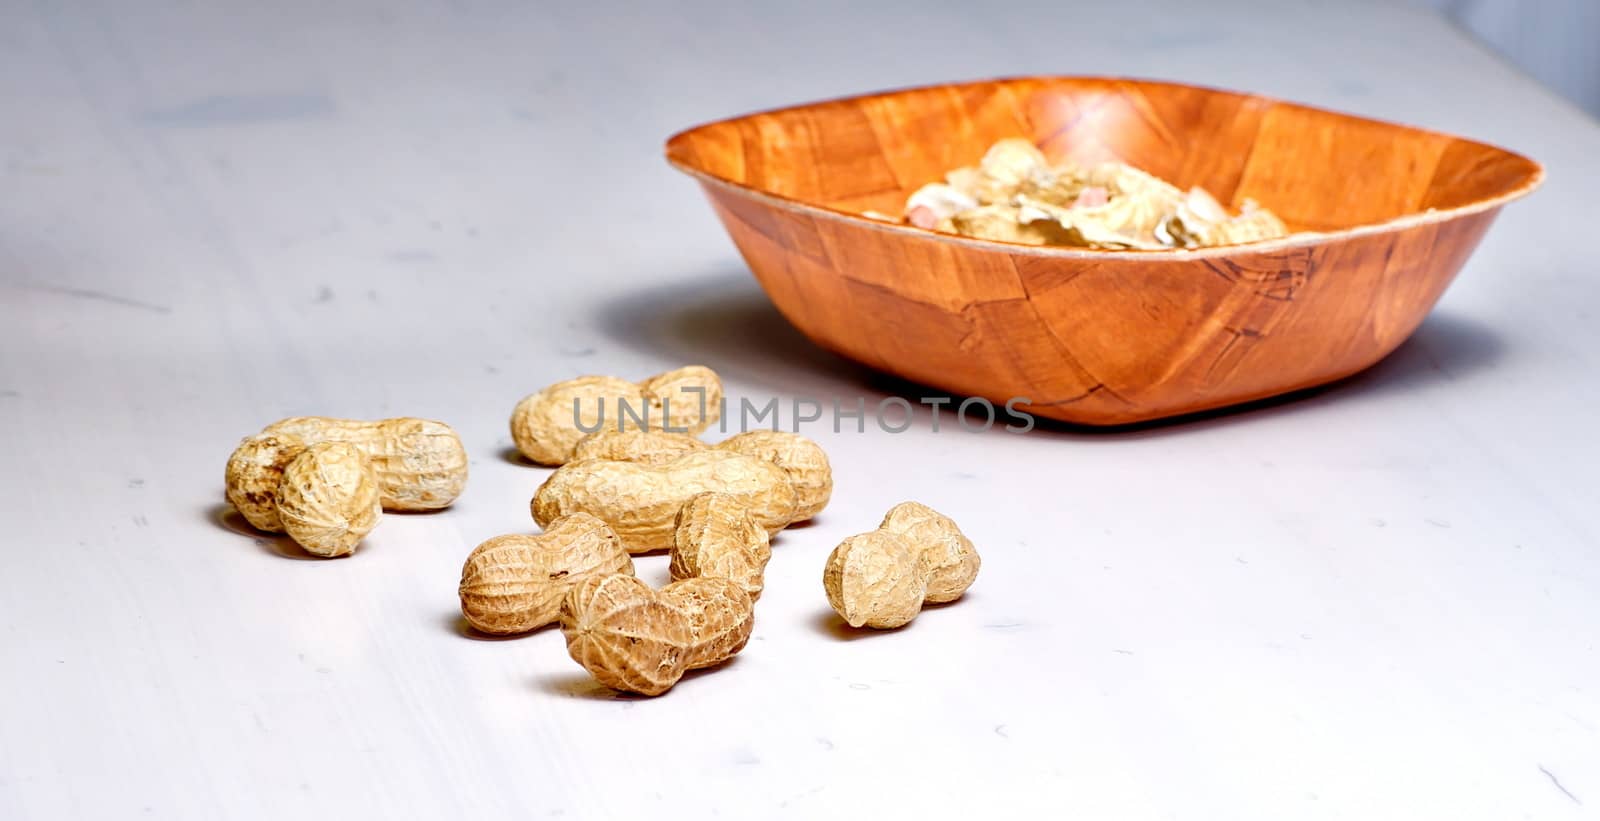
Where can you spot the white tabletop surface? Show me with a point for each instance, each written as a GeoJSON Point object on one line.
{"type": "Point", "coordinates": [1380, 601]}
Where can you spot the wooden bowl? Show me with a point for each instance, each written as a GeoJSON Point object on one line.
{"type": "Point", "coordinates": [1102, 337]}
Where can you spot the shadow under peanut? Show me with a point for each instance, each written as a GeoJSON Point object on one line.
{"type": "Point", "coordinates": [226, 517]}
{"type": "Point", "coordinates": [511, 455]}
{"type": "Point", "coordinates": [578, 684]}
{"type": "Point", "coordinates": [458, 625]}
{"type": "Point", "coordinates": [829, 624]}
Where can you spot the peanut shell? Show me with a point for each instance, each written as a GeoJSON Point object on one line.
{"type": "Point", "coordinates": [881, 579]}
{"type": "Point", "coordinates": [715, 537]}
{"type": "Point", "coordinates": [419, 464]}
{"type": "Point", "coordinates": [625, 634]}
{"type": "Point", "coordinates": [721, 617]}
{"type": "Point", "coordinates": [690, 398]}
{"type": "Point", "coordinates": [254, 472]}
{"type": "Point", "coordinates": [801, 458]}
{"type": "Point", "coordinates": [328, 499]}
{"type": "Point", "coordinates": [641, 502]}
{"type": "Point", "coordinates": [952, 560]}
{"type": "Point", "coordinates": [547, 425]}
{"type": "Point", "coordinates": [876, 579]}
{"type": "Point", "coordinates": [515, 583]}
{"type": "Point", "coordinates": [645, 447]}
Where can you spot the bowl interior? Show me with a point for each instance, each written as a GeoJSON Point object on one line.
{"type": "Point", "coordinates": [1319, 170]}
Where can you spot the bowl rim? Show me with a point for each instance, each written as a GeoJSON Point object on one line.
{"type": "Point", "coordinates": [1295, 241]}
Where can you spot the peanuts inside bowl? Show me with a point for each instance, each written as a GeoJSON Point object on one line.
{"type": "Point", "coordinates": [1014, 194]}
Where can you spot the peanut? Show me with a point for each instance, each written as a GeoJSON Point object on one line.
{"type": "Point", "coordinates": [716, 538]}
{"type": "Point", "coordinates": [721, 617]}
{"type": "Point", "coordinates": [328, 499]}
{"type": "Point", "coordinates": [803, 459]}
{"type": "Point", "coordinates": [688, 398]}
{"type": "Point", "coordinates": [625, 634]}
{"type": "Point", "coordinates": [952, 560]}
{"type": "Point", "coordinates": [881, 579]}
{"type": "Point", "coordinates": [515, 583]}
{"type": "Point", "coordinates": [420, 464]}
{"type": "Point", "coordinates": [876, 579]}
{"type": "Point", "coordinates": [632, 638]}
{"type": "Point", "coordinates": [547, 425]}
{"type": "Point", "coordinates": [799, 457]}
{"type": "Point", "coordinates": [648, 447]}
{"type": "Point", "coordinates": [641, 502]}
{"type": "Point", "coordinates": [255, 470]}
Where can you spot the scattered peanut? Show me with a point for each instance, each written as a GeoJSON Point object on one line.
{"type": "Point", "coordinates": [254, 472]}
{"type": "Point", "coordinates": [515, 583]}
{"type": "Point", "coordinates": [716, 538]}
{"type": "Point", "coordinates": [721, 617]}
{"type": "Point", "coordinates": [688, 398]}
{"type": "Point", "coordinates": [952, 560]}
{"type": "Point", "coordinates": [881, 579]}
{"type": "Point", "coordinates": [803, 459]}
{"type": "Point", "coordinates": [876, 579]}
{"type": "Point", "coordinates": [328, 499]}
{"type": "Point", "coordinates": [632, 638]}
{"type": "Point", "coordinates": [419, 463]}
{"type": "Point", "coordinates": [625, 634]}
{"type": "Point", "coordinates": [799, 457]}
{"type": "Point", "coordinates": [547, 425]}
{"type": "Point", "coordinates": [641, 501]}
{"type": "Point", "coordinates": [648, 447]}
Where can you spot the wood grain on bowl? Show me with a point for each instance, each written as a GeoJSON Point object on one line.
{"type": "Point", "coordinates": [1103, 337]}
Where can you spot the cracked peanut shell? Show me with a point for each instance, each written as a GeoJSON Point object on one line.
{"type": "Point", "coordinates": [1014, 194]}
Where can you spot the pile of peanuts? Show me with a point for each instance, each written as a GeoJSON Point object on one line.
{"type": "Point", "coordinates": [628, 487]}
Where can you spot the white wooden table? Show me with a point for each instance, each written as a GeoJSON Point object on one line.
{"type": "Point", "coordinates": [1376, 602]}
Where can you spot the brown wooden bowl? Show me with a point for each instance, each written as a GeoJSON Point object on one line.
{"type": "Point", "coordinates": [1102, 337]}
